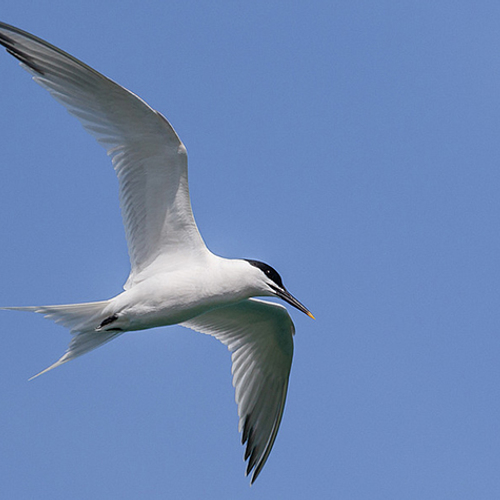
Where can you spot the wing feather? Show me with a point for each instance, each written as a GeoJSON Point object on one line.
{"type": "Point", "coordinates": [148, 156]}
{"type": "Point", "coordinates": [259, 335]}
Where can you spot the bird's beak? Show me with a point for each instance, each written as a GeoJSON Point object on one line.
{"type": "Point", "coordinates": [288, 297]}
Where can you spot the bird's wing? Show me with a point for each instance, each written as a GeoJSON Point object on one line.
{"type": "Point", "coordinates": [259, 335]}
{"type": "Point", "coordinates": [148, 156]}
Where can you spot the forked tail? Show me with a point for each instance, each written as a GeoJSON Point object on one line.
{"type": "Point", "coordinates": [84, 322]}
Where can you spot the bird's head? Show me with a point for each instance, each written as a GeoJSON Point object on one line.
{"type": "Point", "coordinates": [272, 285]}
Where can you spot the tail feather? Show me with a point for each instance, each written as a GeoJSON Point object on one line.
{"type": "Point", "coordinates": [83, 320]}
{"type": "Point", "coordinates": [76, 317]}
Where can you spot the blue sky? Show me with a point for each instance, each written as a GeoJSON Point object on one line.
{"type": "Point", "coordinates": [354, 146]}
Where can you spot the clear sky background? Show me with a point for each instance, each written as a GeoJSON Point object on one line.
{"type": "Point", "coordinates": [355, 147]}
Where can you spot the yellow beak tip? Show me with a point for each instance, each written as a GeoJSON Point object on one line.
{"type": "Point", "coordinates": [310, 315]}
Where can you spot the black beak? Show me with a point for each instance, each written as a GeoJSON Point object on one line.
{"type": "Point", "coordinates": [284, 294]}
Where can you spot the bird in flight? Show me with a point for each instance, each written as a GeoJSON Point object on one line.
{"type": "Point", "coordinates": [174, 278]}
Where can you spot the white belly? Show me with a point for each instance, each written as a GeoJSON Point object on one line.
{"type": "Point", "coordinates": [170, 299]}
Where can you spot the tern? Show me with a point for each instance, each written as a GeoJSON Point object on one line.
{"type": "Point", "coordinates": [174, 278]}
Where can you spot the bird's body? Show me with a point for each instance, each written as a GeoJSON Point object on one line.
{"type": "Point", "coordinates": [176, 296]}
{"type": "Point", "coordinates": [174, 278]}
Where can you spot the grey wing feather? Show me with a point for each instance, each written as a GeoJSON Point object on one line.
{"type": "Point", "coordinates": [148, 156]}
{"type": "Point", "coordinates": [259, 335]}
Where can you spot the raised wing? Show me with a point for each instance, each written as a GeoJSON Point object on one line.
{"type": "Point", "coordinates": [148, 156]}
{"type": "Point", "coordinates": [259, 335]}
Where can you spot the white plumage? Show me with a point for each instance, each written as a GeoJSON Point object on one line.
{"type": "Point", "coordinates": [174, 278]}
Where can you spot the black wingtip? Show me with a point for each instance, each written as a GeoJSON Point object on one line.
{"type": "Point", "coordinates": [5, 40]}
{"type": "Point", "coordinates": [247, 437]}
{"type": "Point", "coordinates": [13, 50]}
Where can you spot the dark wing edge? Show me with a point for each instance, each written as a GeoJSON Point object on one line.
{"type": "Point", "coordinates": [259, 334]}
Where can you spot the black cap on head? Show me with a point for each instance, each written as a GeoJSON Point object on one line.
{"type": "Point", "coordinates": [271, 273]}
{"type": "Point", "coordinates": [278, 287]}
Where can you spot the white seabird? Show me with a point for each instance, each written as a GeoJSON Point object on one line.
{"type": "Point", "coordinates": [174, 278]}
